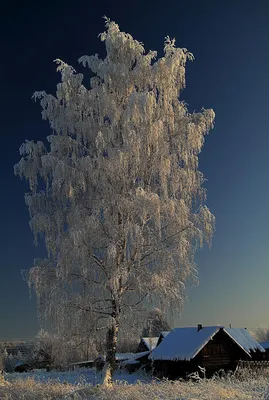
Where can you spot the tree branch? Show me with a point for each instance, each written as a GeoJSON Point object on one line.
{"type": "Point", "coordinates": [163, 241]}
{"type": "Point", "coordinates": [90, 310]}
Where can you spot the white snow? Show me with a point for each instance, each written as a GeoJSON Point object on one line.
{"type": "Point", "coordinates": [135, 358]}
{"type": "Point", "coordinates": [130, 356]}
{"type": "Point", "coordinates": [79, 377]}
{"type": "Point", "coordinates": [82, 362]}
{"type": "Point", "coordinates": [131, 362]}
{"type": "Point", "coordinates": [253, 388]}
{"type": "Point", "coordinates": [150, 342]}
{"type": "Point", "coordinates": [124, 356]}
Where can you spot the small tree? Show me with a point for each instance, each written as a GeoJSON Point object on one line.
{"type": "Point", "coordinates": [55, 350]}
{"type": "Point", "coordinates": [155, 323]}
{"type": "Point", "coordinates": [3, 356]}
{"type": "Point", "coordinates": [43, 351]}
{"type": "Point", "coordinates": [261, 334]}
{"type": "Point", "coordinates": [122, 208]}
{"type": "Point", "coordinates": [10, 362]}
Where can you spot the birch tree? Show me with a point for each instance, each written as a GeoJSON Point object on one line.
{"type": "Point", "coordinates": [115, 191]}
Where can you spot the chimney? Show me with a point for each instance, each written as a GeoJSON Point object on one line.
{"type": "Point", "coordinates": [199, 327]}
{"type": "Point", "coordinates": [230, 325]}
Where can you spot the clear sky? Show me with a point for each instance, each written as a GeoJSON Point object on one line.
{"type": "Point", "coordinates": [230, 42]}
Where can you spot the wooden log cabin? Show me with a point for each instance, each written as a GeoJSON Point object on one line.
{"type": "Point", "coordinates": [213, 348]}
{"type": "Point", "coordinates": [137, 361]}
{"type": "Point", "coordinates": [147, 344]}
{"type": "Point", "coordinates": [163, 334]}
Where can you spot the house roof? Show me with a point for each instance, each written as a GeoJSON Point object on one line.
{"type": "Point", "coordinates": [82, 362]}
{"type": "Point", "coordinates": [19, 363]}
{"type": "Point", "coordinates": [164, 333]}
{"type": "Point", "coordinates": [134, 358]}
{"type": "Point", "coordinates": [131, 356]}
{"type": "Point", "coordinates": [150, 342]}
{"type": "Point", "coordinates": [183, 343]}
{"type": "Point", "coordinates": [186, 343]}
{"type": "Point", "coordinates": [124, 356]}
{"type": "Point", "coordinates": [137, 356]}
{"type": "Point", "coordinates": [265, 345]}
{"type": "Point", "coordinates": [244, 339]}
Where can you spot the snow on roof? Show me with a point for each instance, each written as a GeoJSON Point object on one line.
{"type": "Point", "coordinates": [265, 345]}
{"type": "Point", "coordinates": [134, 359]}
{"type": "Point", "coordinates": [130, 362]}
{"type": "Point", "coordinates": [131, 356]}
{"type": "Point", "coordinates": [150, 342]}
{"type": "Point", "coordinates": [124, 356]}
{"type": "Point", "coordinates": [183, 343]}
{"type": "Point", "coordinates": [82, 362]}
{"type": "Point", "coordinates": [244, 339]}
{"type": "Point", "coordinates": [137, 356]}
{"type": "Point", "coordinates": [19, 363]}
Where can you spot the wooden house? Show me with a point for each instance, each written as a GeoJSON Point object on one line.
{"type": "Point", "coordinates": [81, 364]}
{"type": "Point", "coordinates": [22, 366]}
{"type": "Point", "coordinates": [147, 344]}
{"type": "Point", "coordinates": [163, 334]}
{"type": "Point", "coordinates": [184, 350]}
{"type": "Point", "coordinates": [137, 361]}
{"type": "Point", "coordinates": [123, 356]}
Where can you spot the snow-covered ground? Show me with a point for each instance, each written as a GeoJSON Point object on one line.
{"type": "Point", "coordinates": [80, 385]}
{"type": "Point", "coordinates": [78, 377]}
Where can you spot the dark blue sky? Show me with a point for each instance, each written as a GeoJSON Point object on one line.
{"type": "Point", "coordinates": [230, 42]}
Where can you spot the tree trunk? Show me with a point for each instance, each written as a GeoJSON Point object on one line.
{"type": "Point", "coordinates": [2, 379]}
{"type": "Point", "coordinates": [111, 344]}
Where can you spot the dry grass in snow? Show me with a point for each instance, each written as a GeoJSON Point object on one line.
{"type": "Point", "coordinates": [168, 390]}
{"type": "Point", "coordinates": [29, 389]}
{"type": "Point", "coordinates": [246, 387]}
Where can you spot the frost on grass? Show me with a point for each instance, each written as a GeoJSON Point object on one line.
{"type": "Point", "coordinates": [247, 388]}
{"type": "Point", "coordinates": [83, 385]}
{"type": "Point", "coordinates": [30, 389]}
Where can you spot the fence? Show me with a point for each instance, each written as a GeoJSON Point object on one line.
{"type": "Point", "coordinates": [254, 365]}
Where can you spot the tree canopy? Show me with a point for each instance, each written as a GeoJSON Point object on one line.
{"type": "Point", "coordinates": [115, 191]}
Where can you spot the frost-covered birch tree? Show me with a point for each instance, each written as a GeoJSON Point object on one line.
{"type": "Point", "coordinates": [115, 191]}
